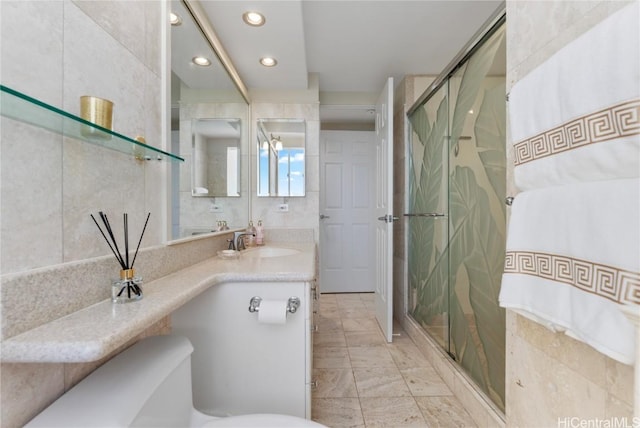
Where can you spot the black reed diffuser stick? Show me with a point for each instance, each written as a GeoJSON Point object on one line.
{"type": "Point", "coordinates": [127, 274]}
{"type": "Point", "coordinates": [141, 235]}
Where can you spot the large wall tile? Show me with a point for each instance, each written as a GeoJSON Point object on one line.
{"type": "Point", "coordinates": [31, 54]}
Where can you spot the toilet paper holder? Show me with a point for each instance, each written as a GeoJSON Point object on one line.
{"type": "Point", "coordinates": [292, 304]}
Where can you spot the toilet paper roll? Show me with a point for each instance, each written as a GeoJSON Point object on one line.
{"type": "Point", "coordinates": [272, 312]}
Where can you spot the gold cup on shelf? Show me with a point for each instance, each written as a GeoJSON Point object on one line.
{"type": "Point", "coordinates": [99, 111]}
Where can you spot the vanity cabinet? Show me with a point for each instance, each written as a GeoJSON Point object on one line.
{"type": "Point", "coordinates": [241, 365]}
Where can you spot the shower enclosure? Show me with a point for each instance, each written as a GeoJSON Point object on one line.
{"type": "Point", "coordinates": [456, 212]}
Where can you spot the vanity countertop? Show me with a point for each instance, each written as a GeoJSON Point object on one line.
{"type": "Point", "coordinates": [95, 331]}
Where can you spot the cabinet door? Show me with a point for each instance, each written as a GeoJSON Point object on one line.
{"type": "Point", "coordinates": [241, 365]}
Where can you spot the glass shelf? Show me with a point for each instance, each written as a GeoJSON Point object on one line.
{"type": "Point", "coordinates": [21, 107]}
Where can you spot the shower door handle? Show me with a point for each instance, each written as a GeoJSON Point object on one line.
{"type": "Point", "coordinates": [425, 215]}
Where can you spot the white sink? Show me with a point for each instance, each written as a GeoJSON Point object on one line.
{"type": "Point", "coordinates": [264, 252]}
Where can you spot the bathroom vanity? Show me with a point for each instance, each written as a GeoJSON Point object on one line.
{"type": "Point", "coordinates": [245, 362]}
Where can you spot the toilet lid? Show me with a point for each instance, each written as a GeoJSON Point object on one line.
{"type": "Point", "coordinates": [263, 420]}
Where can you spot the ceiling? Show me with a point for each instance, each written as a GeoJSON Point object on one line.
{"type": "Point", "coordinates": [352, 46]}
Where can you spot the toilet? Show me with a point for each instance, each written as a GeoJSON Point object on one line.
{"type": "Point", "coordinates": [147, 385]}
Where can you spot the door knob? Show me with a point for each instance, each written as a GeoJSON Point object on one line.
{"type": "Point", "coordinates": [322, 216]}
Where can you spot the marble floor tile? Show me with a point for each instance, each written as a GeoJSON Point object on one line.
{"type": "Point", "coordinates": [364, 338]}
{"type": "Point", "coordinates": [407, 355]}
{"type": "Point", "coordinates": [346, 297]}
{"type": "Point", "coordinates": [444, 412]}
{"type": "Point", "coordinates": [380, 382]}
{"type": "Point", "coordinates": [370, 306]}
{"type": "Point", "coordinates": [329, 338]}
{"type": "Point", "coordinates": [370, 356]}
{"type": "Point", "coordinates": [363, 381]}
{"type": "Point", "coordinates": [394, 412]}
{"type": "Point", "coordinates": [351, 312]}
{"type": "Point", "coordinates": [348, 301]}
{"type": "Point", "coordinates": [337, 412]}
{"type": "Point", "coordinates": [425, 381]}
{"type": "Point", "coordinates": [368, 297]}
{"type": "Point", "coordinates": [326, 324]}
{"type": "Point", "coordinates": [360, 324]}
{"type": "Point", "coordinates": [331, 357]}
{"type": "Point", "coordinates": [334, 383]}
{"type": "Point", "coordinates": [329, 312]}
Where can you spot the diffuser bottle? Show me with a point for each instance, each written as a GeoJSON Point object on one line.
{"type": "Point", "coordinates": [128, 288]}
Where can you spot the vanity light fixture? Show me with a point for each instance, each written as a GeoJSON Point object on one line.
{"type": "Point", "coordinates": [278, 145]}
{"type": "Point", "coordinates": [201, 61]}
{"type": "Point", "coordinates": [175, 19]}
{"type": "Point", "coordinates": [255, 19]}
{"type": "Point", "coordinates": [267, 61]}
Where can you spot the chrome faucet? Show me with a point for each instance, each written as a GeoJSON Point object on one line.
{"type": "Point", "coordinates": [238, 241]}
{"type": "Point", "coordinates": [232, 245]}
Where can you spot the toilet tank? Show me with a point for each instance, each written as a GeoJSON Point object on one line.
{"type": "Point", "coordinates": [148, 384]}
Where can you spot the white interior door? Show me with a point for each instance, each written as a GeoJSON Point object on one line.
{"type": "Point", "coordinates": [384, 210]}
{"type": "Point", "coordinates": [347, 205]}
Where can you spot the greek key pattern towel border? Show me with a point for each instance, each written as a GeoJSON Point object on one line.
{"type": "Point", "coordinates": [620, 120]}
{"type": "Point", "coordinates": [615, 284]}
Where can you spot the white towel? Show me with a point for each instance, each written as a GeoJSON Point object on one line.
{"type": "Point", "coordinates": [576, 117]}
{"type": "Point", "coordinates": [573, 256]}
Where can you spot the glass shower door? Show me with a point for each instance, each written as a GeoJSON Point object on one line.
{"type": "Point", "coordinates": [477, 215]}
{"type": "Point", "coordinates": [456, 225]}
{"type": "Point", "coordinates": [427, 217]}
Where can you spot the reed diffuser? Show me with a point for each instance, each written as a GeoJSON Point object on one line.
{"type": "Point", "coordinates": [129, 287]}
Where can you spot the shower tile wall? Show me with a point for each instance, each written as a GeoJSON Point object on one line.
{"type": "Point", "coordinates": [549, 375]}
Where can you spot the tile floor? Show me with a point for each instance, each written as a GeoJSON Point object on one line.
{"type": "Point", "coordinates": [365, 382]}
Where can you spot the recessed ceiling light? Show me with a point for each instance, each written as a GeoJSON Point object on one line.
{"type": "Point", "coordinates": [202, 61]}
{"type": "Point", "coordinates": [175, 19]}
{"type": "Point", "coordinates": [254, 19]}
{"type": "Point", "coordinates": [267, 61]}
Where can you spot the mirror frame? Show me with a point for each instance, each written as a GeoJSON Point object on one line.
{"type": "Point", "coordinates": [200, 17]}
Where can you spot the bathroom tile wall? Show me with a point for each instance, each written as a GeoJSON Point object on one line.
{"type": "Point", "coordinates": [53, 260]}
{"type": "Point", "coordinates": [50, 184]}
{"type": "Point", "coordinates": [303, 211]}
{"type": "Point", "coordinates": [550, 376]}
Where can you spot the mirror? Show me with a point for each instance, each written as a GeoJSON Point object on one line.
{"type": "Point", "coordinates": [216, 158]}
{"type": "Point", "coordinates": [209, 129]}
{"type": "Point", "coordinates": [281, 157]}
